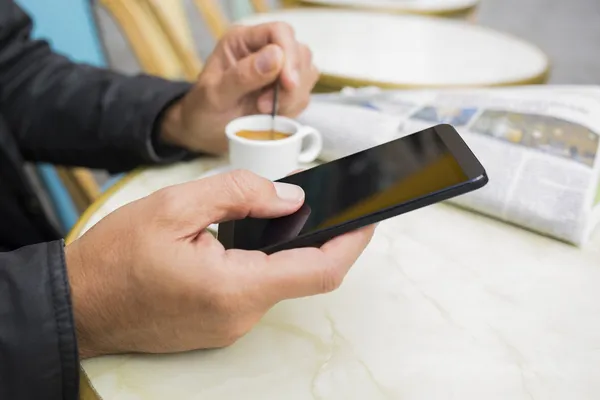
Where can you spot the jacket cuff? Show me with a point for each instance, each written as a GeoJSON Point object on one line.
{"type": "Point", "coordinates": [38, 345]}
{"type": "Point", "coordinates": [157, 151]}
{"type": "Point", "coordinates": [65, 325]}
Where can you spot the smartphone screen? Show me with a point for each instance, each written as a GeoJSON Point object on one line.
{"type": "Point", "coordinates": [357, 186]}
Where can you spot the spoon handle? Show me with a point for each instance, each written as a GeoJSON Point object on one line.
{"type": "Point", "coordinates": [275, 108]}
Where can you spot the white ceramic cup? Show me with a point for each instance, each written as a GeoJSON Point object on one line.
{"type": "Point", "coordinates": [272, 159]}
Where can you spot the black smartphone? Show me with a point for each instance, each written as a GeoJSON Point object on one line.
{"type": "Point", "coordinates": [364, 188]}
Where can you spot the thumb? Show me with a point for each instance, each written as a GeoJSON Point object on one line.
{"type": "Point", "coordinates": [254, 72]}
{"type": "Point", "coordinates": [229, 196]}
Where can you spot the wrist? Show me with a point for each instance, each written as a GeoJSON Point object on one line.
{"type": "Point", "coordinates": [75, 264]}
{"type": "Point", "coordinates": [171, 126]}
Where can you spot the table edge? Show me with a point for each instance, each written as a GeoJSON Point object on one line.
{"type": "Point", "coordinates": [339, 82]}
{"type": "Point", "coordinates": [86, 389]}
{"type": "Point", "coordinates": [448, 12]}
{"type": "Point", "coordinates": [82, 221]}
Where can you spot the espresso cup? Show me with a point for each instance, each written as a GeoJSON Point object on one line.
{"type": "Point", "coordinates": [272, 159]}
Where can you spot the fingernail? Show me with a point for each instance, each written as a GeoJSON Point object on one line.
{"type": "Point", "coordinates": [288, 192]}
{"type": "Point", "coordinates": [269, 59]}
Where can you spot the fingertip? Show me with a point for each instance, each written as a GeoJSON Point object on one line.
{"type": "Point", "coordinates": [289, 193]}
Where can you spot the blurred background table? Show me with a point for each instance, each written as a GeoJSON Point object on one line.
{"type": "Point", "coordinates": [458, 8]}
{"type": "Point", "coordinates": [567, 32]}
{"type": "Point", "coordinates": [354, 48]}
{"type": "Point", "coordinates": [444, 303]}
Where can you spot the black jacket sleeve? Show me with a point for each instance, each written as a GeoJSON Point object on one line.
{"type": "Point", "coordinates": [73, 114]}
{"type": "Point", "coordinates": [38, 348]}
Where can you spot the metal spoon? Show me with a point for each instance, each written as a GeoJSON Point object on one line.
{"type": "Point", "coordinates": [275, 108]}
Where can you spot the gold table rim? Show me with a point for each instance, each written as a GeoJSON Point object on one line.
{"type": "Point", "coordinates": [449, 12]}
{"type": "Point", "coordinates": [339, 82]}
{"type": "Point", "coordinates": [83, 220]}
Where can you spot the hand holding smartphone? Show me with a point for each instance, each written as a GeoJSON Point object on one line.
{"type": "Point", "coordinates": [365, 188]}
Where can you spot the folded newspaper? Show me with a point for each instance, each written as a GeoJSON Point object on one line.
{"type": "Point", "coordinates": [539, 145]}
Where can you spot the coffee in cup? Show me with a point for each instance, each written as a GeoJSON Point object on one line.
{"type": "Point", "coordinates": [262, 135]}
{"type": "Point", "coordinates": [252, 147]}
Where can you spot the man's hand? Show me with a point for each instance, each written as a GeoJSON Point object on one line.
{"type": "Point", "coordinates": [150, 278]}
{"type": "Point", "coordinates": [238, 80]}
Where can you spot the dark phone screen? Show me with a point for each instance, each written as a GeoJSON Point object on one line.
{"type": "Point", "coordinates": [358, 185]}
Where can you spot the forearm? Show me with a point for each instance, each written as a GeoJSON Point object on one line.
{"type": "Point", "coordinates": [72, 114]}
{"type": "Point", "coordinates": [38, 347]}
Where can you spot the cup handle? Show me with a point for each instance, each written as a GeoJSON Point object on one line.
{"type": "Point", "coordinates": [314, 147]}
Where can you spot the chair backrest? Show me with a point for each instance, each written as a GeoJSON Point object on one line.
{"type": "Point", "coordinates": [171, 17]}
{"type": "Point", "coordinates": [213, 16]}
{"type": "Point", "coordinates": [260, 6]}
{"type": "Point", "coordinates": [159, 33]}
{"type": "Point", "coordinates": [147, 38]}
{"type": "Point", "coordinates": [290, 3]}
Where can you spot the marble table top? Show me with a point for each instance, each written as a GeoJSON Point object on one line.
{"type": "Point", "coordinates": [355, 48]}
{"type": "Point", "coordinates": [444, 304]}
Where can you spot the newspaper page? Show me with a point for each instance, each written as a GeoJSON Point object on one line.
{"type": "Point", "coordinates": [539, 145]}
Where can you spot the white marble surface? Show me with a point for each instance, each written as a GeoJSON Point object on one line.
{"type": "Point", "coordinates": [428, 6]}
{"type": "Point", "coordinates": [444, 304]}
{"type": "Point", "coordinates": [409, 50]}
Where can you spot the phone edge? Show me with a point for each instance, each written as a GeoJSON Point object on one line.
{"type": "Point", "coordinates": [317, 239]}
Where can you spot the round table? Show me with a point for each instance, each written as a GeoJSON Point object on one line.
{"type": "Point", "coordinates": [353, 48]}
{"type": "Point", "coordinates": [423, 7]}
{"type": "Point", "coordinates": [443, 304]}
